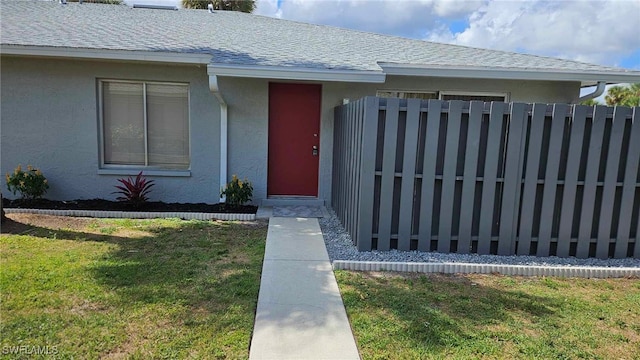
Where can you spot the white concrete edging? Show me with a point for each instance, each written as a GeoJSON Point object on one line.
{"type": "Point", "coordinates": [468, 268]}
{"type": "Point", "coordinates": [136, 214]}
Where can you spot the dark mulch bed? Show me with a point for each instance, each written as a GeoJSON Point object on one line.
{"type": "Point", "coordinates": [100, 204]}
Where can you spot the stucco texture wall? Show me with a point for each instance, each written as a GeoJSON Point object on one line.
{"type": "Point", "coordinates": [518, 91]}
{"type": "Point", "coordinates": [248, 115]}
{"type": "Point", "coordinates": [49, 119]}
{"type": "Point", "coordinates": [248, 127]}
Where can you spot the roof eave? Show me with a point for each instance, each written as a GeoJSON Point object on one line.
{"type": "Point", "coordinates": [106, 54]}
{"type": "Point", "coordinates": [296, 73]}
{"type": "Point", "coordinates": [584, 77]}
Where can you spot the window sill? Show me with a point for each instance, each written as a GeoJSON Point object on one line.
{"type": "Point", "coordinates": [172, 173]}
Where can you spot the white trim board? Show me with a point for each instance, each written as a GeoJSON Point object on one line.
{"type": "Point", "coordinates": [214, 87]}
{"type": "Point", "coordinates": [585, 77]}
{"type": "Point", "coordinates": [295, 73]}
{"type": "Point", "coordinates": [106, 54]}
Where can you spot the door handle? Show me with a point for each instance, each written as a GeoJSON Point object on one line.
{"type": "Point", "coordinates": [314, 152]}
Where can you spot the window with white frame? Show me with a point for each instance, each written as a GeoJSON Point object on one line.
{"type": "Point", "coordinates": [443, 95]}
{"type": "Point", "coordinates": [144, 124]}
{"type": "Point", "coordinates": [471, 96]}
{"type": "Point", "coordinates": [423, 95]}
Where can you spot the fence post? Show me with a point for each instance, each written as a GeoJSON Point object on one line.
{"type": "Point", "coordinates": [578, 123]}
{"type": "Point", "coordinates": [429, 174]}
{"type": "Point", "coordinates": [408, 173]}
{"type": "Point", "coordinates": [452, 142]}
{"type": "Point", "coordinates": [610, 180]}
{"type": "Point", "coordinates": [470, 177]}
{"type": "Point", "coordinates": [531, 178]}
{"type": "Point", "coordinates": [551, 178]}
{"type": "Point", "coordinates": [591, 181]}
{"type": "Point", "coordinates": [490, 177]}
{"type": "Point", "coordinates": [367, 176]}
{"type": "Point", "coordinates": [336, 191]}
{"type": "Point", "coordinates": [512, 178]}
{"type": "Point", "coordinates": [628, 189]}
{"type": "Point", "coordinates": [388, 173]}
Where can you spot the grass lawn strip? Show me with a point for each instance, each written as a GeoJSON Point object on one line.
{"type": "Point", "coordinates": [98, 288]}
{"type": "Point", "coordinates": [417, 316]}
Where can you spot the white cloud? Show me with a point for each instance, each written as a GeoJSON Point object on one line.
{"type": "Point", "coordinates": [592, 31]}
{"type": "Point", "coordinates": [456, 8]}
{"type": "Point", "coordinates": [412, 18]}
{"type": "Point", "coordinates": [380, 16]}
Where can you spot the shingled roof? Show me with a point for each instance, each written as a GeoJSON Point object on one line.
{"type": "Point", "coordinates": [239, 39]}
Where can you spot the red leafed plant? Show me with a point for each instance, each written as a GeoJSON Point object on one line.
{"type": "Point", "coordinates": [134, 191]}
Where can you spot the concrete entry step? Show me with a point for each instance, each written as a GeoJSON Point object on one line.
{"type": "Point", "coordinates": [300, 311]}
{"type": "Point", "coordinates": [302, 211]}
{"type": "Point", "coordinates": [292, 201]}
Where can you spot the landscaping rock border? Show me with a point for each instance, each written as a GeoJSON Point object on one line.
{"type": "Point", "coordinates": [345, 256]}
{"type": "Point", "coordinates": [136, 214]}
{"type": "Point", "coordinates": [466, 268]}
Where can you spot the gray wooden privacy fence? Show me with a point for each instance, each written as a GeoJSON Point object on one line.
{"type": "Point", "coordinates": [488, 178]}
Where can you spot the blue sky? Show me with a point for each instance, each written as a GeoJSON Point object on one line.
{"type": "Point", "coordinates": [632, 61]}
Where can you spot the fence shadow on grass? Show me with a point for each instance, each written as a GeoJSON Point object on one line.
{"type": "Point", "coordinates": [433, 313]}
{"type": "Point", "coordinates": [193, 265]}
{"type": "Point", "coordinates": [205, 266]}
{"type": "Point", "coordinates": [164, 283]}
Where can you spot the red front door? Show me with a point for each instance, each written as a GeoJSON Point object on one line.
{"type": "Point", "coordinates": [294, 139]}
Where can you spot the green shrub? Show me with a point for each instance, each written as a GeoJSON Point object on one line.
{"type": "Point", "coordinates": [237, 191]}
{"type": "Point", "coordinates": [31, 184]}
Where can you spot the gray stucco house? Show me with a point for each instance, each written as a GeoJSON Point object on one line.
{"type": "Point", "coordinates": [92, 93]}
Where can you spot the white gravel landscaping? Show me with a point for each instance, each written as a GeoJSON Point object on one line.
{"type": "Point", "coordinates": [340, 247]}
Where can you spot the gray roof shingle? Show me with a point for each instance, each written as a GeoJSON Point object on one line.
{"type": "Point", "coordinates": [245, 39]}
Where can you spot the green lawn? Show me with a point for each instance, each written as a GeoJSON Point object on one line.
{"type": "Point", "coordinates": [414, 316]}
{"type": "Point", "coordinates": [139, 289]}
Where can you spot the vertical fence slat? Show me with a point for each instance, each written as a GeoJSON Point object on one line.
{"type": "Point", "coordinates": [610, 180]}
{"type": "Point", "coordinates": [338, 159]}
{"type": "Point", "coordinates": [388, 173]}
{"type": "Point", "coordinates": [449, 175]}
{"type": "Point", "coordinates": [628, 189]}
{"type": "Point", "coordinates": [531, 179]}
{"type": "Point", "coordinates": [335, 174]}
{"type": "Point", "coordinates": [348, 112]}
{"type": "Point", "coordinates": [357, 155]}
{"type": "Point", "coordinates": [551, 178]}
{"type": "Point", "coordinates": [512, 179]}
{"type": "Point", "coordinates": [347, 138]}
{"type": "Point", "coordinates": [636, 250]}
{"type": "Point", "coordinates": [571, 179]}
{"type": "Point", "coordinates": [429, 174]}
{"type": "Point", "coordinates": [367, 178]}
{"type": "Point", "coordinates": [490, 177]}
{"type": "Point", "coordinates": [338, 193]}
{"type": "Point", "coordinates": [469, 176]}
{"type": "Point", "coordinates": [353, 165]}
{"type": "Point", "coordinates": [591, 179]}
{"type": "Point", "coordinates": [408, 173]}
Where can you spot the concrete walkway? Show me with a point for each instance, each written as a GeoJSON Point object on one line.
{"type": "Point", "coordinates": [300, 312]}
